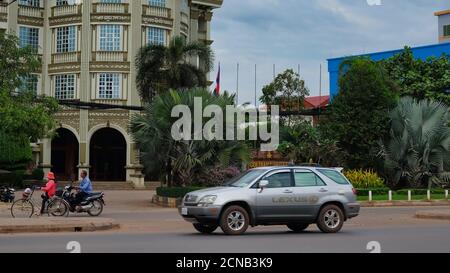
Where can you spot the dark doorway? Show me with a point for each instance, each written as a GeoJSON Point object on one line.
{"type": "Point", "coordinates": [65, 153]}
{"type": "Point", "coordinates": [108, 153]}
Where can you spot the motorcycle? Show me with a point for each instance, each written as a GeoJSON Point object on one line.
{"type": "Point", "coordinates": [92, 204]}
{"type": "Point", "coordinates": [7, 194]}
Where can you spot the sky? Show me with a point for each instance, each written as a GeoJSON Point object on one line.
{"type": "Point", "coordinates": [289, 33]}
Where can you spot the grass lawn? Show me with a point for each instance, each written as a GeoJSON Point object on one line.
{"type": "Point", "coordinates": [399, 197]}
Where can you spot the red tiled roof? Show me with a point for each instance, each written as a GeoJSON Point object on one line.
{"type": "Point", "coordinates": [316, 102]}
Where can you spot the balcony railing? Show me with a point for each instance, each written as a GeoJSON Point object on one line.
{"type": "Point", "coordinates": [67, 57]}
{"type": "Point", "coordinates": [109, 56]}
{"type": "Point", "coordinates": [110, 101]}
{"type": "Point", "coordinates": [3, 7]}
{"type": "Point", "coordinates": [31, 11]}
{"type": "Point", "coordinates": [110, 8]}
{"type": "Point", "coordinates": [66, 10]}
{"type": "Point", "coordinates": [157, 11]}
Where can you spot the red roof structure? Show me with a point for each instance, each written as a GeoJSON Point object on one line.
{"type": "Point", "coordinates": [316, 102]}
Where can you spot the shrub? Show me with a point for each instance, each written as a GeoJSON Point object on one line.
{"type": "Point", "coordinates": [216, 176]}
{"type": "Point", "coordinates": [175, 192]}
{"type": "Point", "coordinates": [375, 191]}
{"type": "Point", "coordinates": [37, 174]}
{"type": "Point", "coordinates": [420, 191]}
{"type": "Point", "coordinates": [13, 179]}
{"type": "Point", "coordinates": [363, 179]}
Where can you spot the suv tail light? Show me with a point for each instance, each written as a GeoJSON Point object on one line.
{"type": "Point", "coordinates": [355, 192]}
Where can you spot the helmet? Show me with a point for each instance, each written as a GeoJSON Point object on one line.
{"type": "Point", "coordinates": [26, 193]}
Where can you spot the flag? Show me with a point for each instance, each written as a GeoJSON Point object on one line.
{"type": "Point", "coordinates": [217, 89]}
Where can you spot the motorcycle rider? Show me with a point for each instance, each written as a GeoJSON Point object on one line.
{"type": "Point", "coordinates": [84, 189]}
{"type": "Point", "coordinates": [49, 190]}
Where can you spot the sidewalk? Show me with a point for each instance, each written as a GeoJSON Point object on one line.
{"type": "Point", "coordinates": [39, 225]}
{"type": "Point", "coordinates": [436, 203]}
{"type": "Point", "coordinates": [442, 214]}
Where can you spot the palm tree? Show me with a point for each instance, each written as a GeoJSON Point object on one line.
{"type": "Point", "coordinates": [161, 68]}
{"type": "Point", "coordinates": [180, 161]}
{"type": "Point", "coordinates": [418, 146]}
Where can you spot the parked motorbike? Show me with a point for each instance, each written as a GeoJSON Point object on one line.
{"type": "Point", "coordinates": [92, 204]}
{"type": "Point", "coordinates": [7, 194]}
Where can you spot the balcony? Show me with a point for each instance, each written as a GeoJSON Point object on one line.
{"type": "Point", "coordinates": [28, 11]}
{"type": "Point", "coordinates": [108, 8]}
{"type": "Point", "coordinates": [109, 56]}
{"type": "Point", "coordinates": [67, 57]}
{"type": "Point", "coordinates": [3, 12]}
{"type": "Point", "coordinates": [208, 3]}
{"type": "Point", "coordinates": [110, 101]}
{"type": "Point", "coordinates": [157, 12]}
{"type": "Point", "coordinates": [66, 10]}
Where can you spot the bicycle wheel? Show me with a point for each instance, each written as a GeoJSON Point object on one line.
{"type": "Point", "coordinates": [22, 208]}
{"type": "Point", "coordinates": [58, 208]}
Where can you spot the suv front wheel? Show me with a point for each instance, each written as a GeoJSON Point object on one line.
{"type": "Point", "coordinates": [234, 220]}
{"type": "Point", "coordinates": [331, 219]}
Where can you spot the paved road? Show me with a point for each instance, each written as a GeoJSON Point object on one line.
{"type": "Point", "coordinates": [152, 230]}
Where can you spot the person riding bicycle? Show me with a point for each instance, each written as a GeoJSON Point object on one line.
{"type": "Point", "coordinates": [84, 189]}
{"type": "Point", "coordinates": [49, 190]}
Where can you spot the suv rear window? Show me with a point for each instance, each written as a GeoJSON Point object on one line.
{"type": "Point", "coordinates": [335, 176]}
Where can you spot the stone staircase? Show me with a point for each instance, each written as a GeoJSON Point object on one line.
{"type": "Point", "coordinates": [116, 186]}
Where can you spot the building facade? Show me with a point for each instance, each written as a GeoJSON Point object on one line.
{"type": "Point", "coordinates": [421, 52]}
{"type": "Point", "coordinates": [444, 25]}
{"type": "Point", "coordinates": [88, 49]}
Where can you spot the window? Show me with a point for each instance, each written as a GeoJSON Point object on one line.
{"type": "Point", "coordinates": [29, 84]}
{"type": "Point", "coordinates": [307, 179]}
{"type": "Point", "coordinates": [447, 30]}
{"type": "Point", "coordinates": [109, 86]}
{"type": "Point", "coordinates": [111, 1]}
{"type": "Point", "coordinates": [63, 2]}
{"type": "Point", "coordinates": [30, 3]}
{"type": "Point", "coordinates": [245, 179]}
{"type": "Point", "coordinates": [65, 39]}
{"type": "Point", "coordinates": [335, 176]}
{"type": "Point", "coordinates": [279, 180]}
{"type": "Point", "coordinates": [157, 3]}
{"type": "Point", "coordinates": [65, 87]}
{"type": "Point", "coordinates": [156, 36]}
{"type": "Point", "coordinates": [29, 37]}
{"type": "Point", "coordinates": [109, 37]}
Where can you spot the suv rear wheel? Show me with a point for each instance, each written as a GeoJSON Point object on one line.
{"type": "Point", "coordinates": [234, 220]}
{"type": "Point", "coordinates": [205, 229]}
{"type": "Point", "coordinates": [331, 219]}
{"type": "Point", "coordinates": [297, 227]}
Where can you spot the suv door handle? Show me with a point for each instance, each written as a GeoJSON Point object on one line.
{"type": "Point", "coordinates": [288, 191]}
{"type": "Point", "coordinates": [323, 190]}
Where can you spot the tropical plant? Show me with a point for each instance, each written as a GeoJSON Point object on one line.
{"type": "Point", "coordinates": [417, 149]}
{"type": "Point", "coordinates": [161, 68]}
{"type": "Point", "coordinates": [364, 179]}
{"type": "Point", "coordinates": [303, 143]}
{"type": "Point", "coordinates": [359, 113]}
{"type": "Point", "coordinates": [179, 161]}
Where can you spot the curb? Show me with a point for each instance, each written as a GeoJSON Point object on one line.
{"type": "Point", "coordinates": [57, 225]}
{"type": "Point", "coordinates": [404, 204]}
{"type": "Point", "coordinates": [436, 214]}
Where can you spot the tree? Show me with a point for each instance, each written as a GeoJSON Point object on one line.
{"type": "Point", "coordinates": [359, 113]}
{"type": "Point", "coordinates": [417, 149]}
{"type": "Point", "coordinates": [180, 161]}
{"type": "Point", "coordinates": [287, 90]}
{"type": "Point", "coordinates": [24, 117]}
{"type": "Point", "coordinates": [421, 79]}
{"type": "Point", "coordinates": [161, 68]}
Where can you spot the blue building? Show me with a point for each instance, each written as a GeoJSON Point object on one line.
{"type": "Point", "coordinates": [421, 52]}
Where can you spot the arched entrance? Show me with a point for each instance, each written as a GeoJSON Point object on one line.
{"type": "Point", "coordinates": [107, 155]}
{"type": "Point", "coordinates": [65, 153]}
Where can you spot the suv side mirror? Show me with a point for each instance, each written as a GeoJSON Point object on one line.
{"type": "Point", "coordinates": [263, 184]}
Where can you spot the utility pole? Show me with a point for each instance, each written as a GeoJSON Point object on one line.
{"type": "Point", "coordinates": [255, 85]}
{"type": "Point", "coordinates": [237, 84]}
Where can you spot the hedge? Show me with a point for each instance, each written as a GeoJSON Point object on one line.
{"type": "Point", "coordinates": [175, 192]}
{"type": "Point", "coordinates": [375, 191]}
{"type": "Point", "coordinates": [385, 191]}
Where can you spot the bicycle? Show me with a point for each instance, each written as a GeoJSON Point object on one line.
{"type": "Point", "coordinates": [25, 207]}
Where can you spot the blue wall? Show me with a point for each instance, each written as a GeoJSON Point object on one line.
{"type": "Point", "coordinates": [421, 52]}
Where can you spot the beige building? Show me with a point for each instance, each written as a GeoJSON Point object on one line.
{"type": "Point", "coordinates": [88, 49]}
{"type": "Point", "coordinates": [444, 25]}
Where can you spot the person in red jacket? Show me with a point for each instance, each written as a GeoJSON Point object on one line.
{"type": "Point", "coordinates": [49, 190]}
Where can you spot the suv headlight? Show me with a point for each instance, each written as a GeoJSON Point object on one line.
{"type": "Point", "coordinates": [207, 200]}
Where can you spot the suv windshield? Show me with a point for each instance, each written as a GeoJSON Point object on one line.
{"type": "Point", "coordinates": [335, 176]}
{"type": "Point", "coordinates": [244, 179]}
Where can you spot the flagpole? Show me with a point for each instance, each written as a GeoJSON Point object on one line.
{"type": "Point", "coordinates": [237, 84]}
{"type": "Point", "coordinates": [255, 85]}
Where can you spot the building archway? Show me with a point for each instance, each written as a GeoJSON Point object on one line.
{"type": "Point", "coordinates": [65, 155]}
{"type": "Point", "coordinates": [108, 155]}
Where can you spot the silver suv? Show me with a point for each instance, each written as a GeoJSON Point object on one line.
{"type": "Point", "coordinates": [292, 196]}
